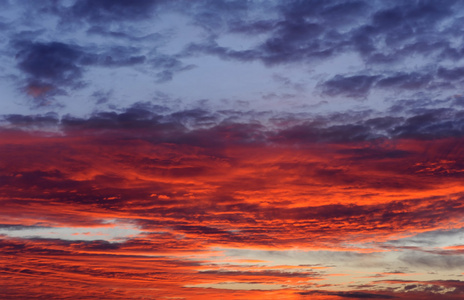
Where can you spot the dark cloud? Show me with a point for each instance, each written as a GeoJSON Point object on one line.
{"type": "Point", "coordinates": [113, 10]}
{"type": "Point", "coordinates": [327, 11]}
{"type": "Point", "coordinates": [297, 35]}
{"type": "Point", "coordinates": [421, 124]}
{"type": "Point", "coordinates": [310, 133]}
{"type": "Point", "coordinates": [49, 67]}
{"type": "Point", "coordinates": [169, 66]}
{"type": "Point", "coordinates": [298, 31]}
{"type": "Point", "coordinates": [123, 34]}
{"type": "Point", "coordinates": [252, 28]}
{"type": "Point", "coordinates": [38, 179]}
{"type": "Point", "coordinates": [212, 48]}
{"type": "Point", "coordinates": [131, 119]}
{"type": "Point", "coordinates": [214, 15]}
{"type": "Point", "coordinates": [115, 57]}
{"type": "Point", "coordinates": [352, 295]}
{"type": "Point", "coordinates": [387, 33]}
{"type": "Point", "coordinates": [50, 61]}
{"type": "Point", "coordinates": [402, 27]}
{"type": "Point", "coordinates": [52, 68]}
{"type": "Point", "coordinates": [451, 74]}
{"type": "Point", "coordinates": [308, 29]}
{"type": "Point", "coordinates": [447, 289]}
{"type": "Point", "coordinates": [20, 227]}
{"type": "Point", "coordinates": [411, 81]}
{"type": "Point", "coordinates": [383, 123]}
{"type": "Point", "coordinates": [430, 124]}
{"type": "Point", "coordinates": [357, 86]}
{"type": "Point", "coordinates": [195, 127]}
{"type": "Point", "coordinates": [376, 153]}
{"type": "Point", "coordinates": [15, 246]}
{"type": "Point", "coordinates": [201, 126]}
{"type": "Point", "coordinates": [34, 121]}
{"type": "Point", "coordinates": [195, 117]}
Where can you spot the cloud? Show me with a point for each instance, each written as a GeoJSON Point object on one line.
{"type": "Point", "coordinates": [169, 66]}
{"type": "Point", "coordinates": [107, 10]}
{"type": "Point", "coordinates": [451, 74]}
{"type": "Point", "coordinates": [194, 180]}
{"type": "Point", "coordinates": [431, 261]}
{"type": "Point", "coordinates": [191, 173]}
{"type": "Point", "coordinates": [70, 263]}
{"type": "Point", "coordinates": [18, 227]}
{"type": "Point", "coordinates": [49, 66]}
{"type": "Point", "coordinates": [262, 275]}
{"type": "Point", "coordinates": [383, 36]}
{"type": "Point", "coordinates": [351, 86]}
{"type": "Point", "coordinates": [34, 121]}
{"type": "Point", "coordinates": [411, 81]}
{"type": "Point", "coordinates": [115, 57]}
{"type": "Point", "coordinates": [359, 86]}
{"type": "Point", "coordinates": [288, 33]}
{"type": "Point", "coordinates": [352, 295]}
{"type": "Point", "coordinates": [324, 194]}
{"type": "Point", "coordinates": [303, 31]}
{"type": "Point", "coordinates": [52, 68]}
{"type": "Point", "coordinates": [446, 289]}
{"type": "Point", "coordinates": [49, 61]}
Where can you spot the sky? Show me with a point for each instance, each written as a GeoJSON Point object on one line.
{"type": "Point", "coordinates": [231, 149]}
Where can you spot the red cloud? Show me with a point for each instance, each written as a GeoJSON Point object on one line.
{"type": "Point", "coordinates": [190, 198]}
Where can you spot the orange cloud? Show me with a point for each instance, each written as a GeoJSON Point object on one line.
{"type": "Point", "coordinates": [189, 199]}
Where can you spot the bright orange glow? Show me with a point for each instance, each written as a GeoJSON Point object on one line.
{"type": "Point", "coordinates": [191, 202]}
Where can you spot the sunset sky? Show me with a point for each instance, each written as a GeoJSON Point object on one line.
{"type": "Point", "coordinates": [242, 149]}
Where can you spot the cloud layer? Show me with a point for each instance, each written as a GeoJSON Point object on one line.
{"type": "Point", "coordinates": [352, 183]}
{"type": "Point", "coordinates": [231, 150]}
